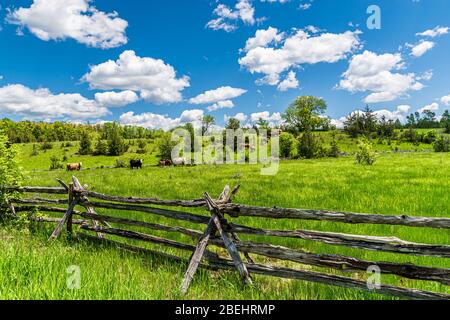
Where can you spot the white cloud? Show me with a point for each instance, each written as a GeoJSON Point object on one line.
{"type": "Point", "coordinates": [219, 94]}
{"type": "Point", "coordinates": [274, 118]}
{"type": "Point", "coordinates": [376, 73]}
{"type": "Point", "coordinates": [42, 104]}
{"type": "Point", "coordinates": [436, 32]}
{"type": "Point", "coordinates": [221, 105]}
{"type": "Point", "coordinates": [156, 121]}
{"type": "Point", "coordinates": [431, 107]}
{"type": "Point", "coordinates": [305, 6]}
{"type": "Point", "coordinates": [75, 19]}
{"type": "Point", "coordinates": [239, 116]}
{"type": "Point", "coordinates": [290, 82]}
{"type": "Point", "coordinates": [156, 81]}
{"type": "Point", "coordinates": [116, 99]}
{"type": "Point", "coordinates": [300, 48]}
{"type": "Point", "coordinates": [263, 38]}
{"type": "Point", "coordinates": [446, 100]}
{"type": "Point", "coordinates": [227, 18]}
{"type": "Point", "coordinates": [421, 48]}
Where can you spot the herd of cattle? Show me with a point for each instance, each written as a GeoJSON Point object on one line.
{"type": "Point", "coordinates": [135, 164]}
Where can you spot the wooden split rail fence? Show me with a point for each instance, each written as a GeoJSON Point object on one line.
{"type": "Point", "coordinates": [222, 233]}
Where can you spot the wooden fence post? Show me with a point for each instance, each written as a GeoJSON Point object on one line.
{"type": "Point", "coordinates": [70, 218]}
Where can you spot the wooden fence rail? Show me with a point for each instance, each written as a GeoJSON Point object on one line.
{"type": "Point", "coordinates": [221, 233]}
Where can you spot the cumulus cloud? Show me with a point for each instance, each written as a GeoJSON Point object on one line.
{"type": "Point", "coordinates": [421, 48]}
{"type": "Point", "coordinates": [221, 105]}
{"type": "Point", "coordinates": [219, 94]}
{"type": "Point", "coordinates": [274, 118]}
{"type": "Point", "coordinates": [156, 81]}
{"type": "Point", "coordinates": [263, 38]}
{"type": "Point", "coordinates": [156, 121]}
{"type": "Point", "coordinates": [380, 75]}
{"type": "Point", "coordinates": [75, 19]}
{"type": "Point", "coordinates": [42, 104]}
{"type": "Point", "coordinates": [227, 17]}
{"type": "Point", "coordinates": [290, 82]}
{"type": "Point", "coordinates": [446, 100]}
{"type": "Point", "coordinates": [116, 99]}
{"type": "Point", "coordinates": [272, 59]}
{"type": "Point", "coordinates": [431, 107]}
{"type": "Point", "coordinates": [432, 33]}
{"type": "Point", "coordinates": [239, 116]}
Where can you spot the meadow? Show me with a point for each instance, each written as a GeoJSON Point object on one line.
{"type": "Point", "coordinates": [415, 183]}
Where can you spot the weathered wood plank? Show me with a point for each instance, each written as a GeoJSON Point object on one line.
{"type": "Point", "coordinates": [49, 190]}
{"type": "Point", "coordinates": [146, 238]}
{"type": "Point", "coordinates": [154, 201]}
{"type": "Point", "coordinates": [238, 210]}
{"type": "Point", "coordinates": [229, 244]}
{"type": "Point", "coordinates": [56, 220]}
{"type": "Point", "coordinates": [335, 280]}
{"type": "Point", "coordinates": [63, 221]}
{"type": "Point", "coordinates": [385, 244]}
{"type": "Point", "coordinates": [154, 226]}
{"type": "Point", "coordinates": [197, 257]}
{"type": "Point", "coordinates": [39, 201]}
{"type": "Point", "coordinates": [342, 263]}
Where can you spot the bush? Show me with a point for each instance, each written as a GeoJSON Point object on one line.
{"type": "Point", "coordinates": [165, 146]}
{"type": "Point", "coordinates": [56, 163]}
{"type": "Point", "coordinates": [85, 144]}
{"type": "Point", "coordinates": [287, 145]}
{"type": "Point", "coordinates": [442, 144]}
{"type": "Point", "coordinates": [101, 148]}
{"type": "Point", "coordinates": [310, 147]}
{"type": "Point", "coordinates": [120, 164]}
{"type": "Point", "coordinates": [334, 151]}
{"type": "Point", "coordinates": [35, 151]}
{"type": "Point", "coordinates": [116, 144]}
{"type": "Point", "coordinates": [47, 146]}
{"type": "Point", "coordinates": [429, 137]}
{"type": "Point", "coordinates": [10, 173]}
{"type": "Point", "coordinates": [365, 154]}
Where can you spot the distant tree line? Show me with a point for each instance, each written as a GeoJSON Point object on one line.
{"type": "Point", "coordinates": [29, 132]}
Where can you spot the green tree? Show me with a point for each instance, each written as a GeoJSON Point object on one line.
{"type": "Point", "coordinates": [233, 124]}
{"type": "Point", "coordinates": [165, 146]}
{"type": "Point", "coordinates": [365, 154]}
{"type": "Point", "coordinates": [85, 144]}
{"type": "Point", "coordinates": [305, 114]}
{"type": "Point", "coordinates": [207, 122]}
{"type": "Point", "coordinates": [287, 145]}
{"type": "Point", "coordinates": [10, 173]}
{"type": "Point", "coordinates": [101, 148]}
{"type": "Point", "coordinates": [116, 143]}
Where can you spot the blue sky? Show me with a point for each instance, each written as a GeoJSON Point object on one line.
{"type": "Point", "coordinates": [171, 60]}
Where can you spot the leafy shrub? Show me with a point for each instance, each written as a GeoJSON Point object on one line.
{"type": "Point", "coordinates": [120, 164]}
{"type": "Point", "coordinates": [85, 144]}
{"type": "Point", "coordinates": [310, 147]}
{"type": "Point", "coordinates": [429, 137]}
{"type": "Point", "coordinates": [334, 151]}
{"type": "Point", "coordinates": [101, 148]}
{"type": "Point", "coordinates": [442, 144]}
{"type": "Point", "coordinates": [55, 163]}
{"type": "Point", "coordinates": [47, 146]}
{"type": "Point", "coordinates": [35, 151]}
{"type": "Point", "coordinates": [165, 146]}
{"type": "Point", "coordinates": [116, 144]}
{"type": "Point", "coordinates": [287, 145]}
{"type": "Point", "coordinates": [10, 173]}
{"type": "Point", "coordinates": [365, 154]}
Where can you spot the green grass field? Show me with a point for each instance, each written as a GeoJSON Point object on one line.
{"type": "Point", "coordinates": [413, 183]}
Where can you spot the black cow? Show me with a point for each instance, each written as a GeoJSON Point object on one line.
{"type": "Point", "coordinates": [136, 164]}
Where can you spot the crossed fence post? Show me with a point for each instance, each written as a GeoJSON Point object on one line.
{"type": "Point", "coordinates": [217, 223]}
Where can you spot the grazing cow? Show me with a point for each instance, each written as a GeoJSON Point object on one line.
{"type": "Point", "coordinates": [136, 164]}
{"type": "Point", "coordinates": [74, 166]}
{"type": "Point", "coordinates": [179, 161]}
{"type": "Point", "coordinates": [164, 163]}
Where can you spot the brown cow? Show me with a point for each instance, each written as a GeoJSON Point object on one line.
{"type": "Point", "coordinates": [164, 163]}
{"type": "Point", "coordinates": [74, 166]}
